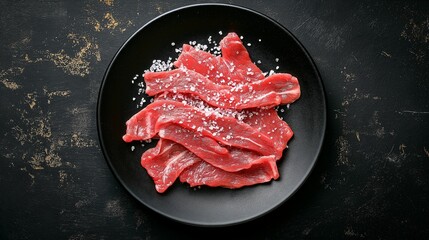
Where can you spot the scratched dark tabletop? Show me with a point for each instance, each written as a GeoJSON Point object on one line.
{"type": "Point", "coordinates": [371, 180]}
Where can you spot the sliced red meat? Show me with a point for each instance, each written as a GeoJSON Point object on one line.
{"type": "Point", "coordinates": [185, 81]}
{"type": "Point", "coordinates": [202, 173]}
{"type": "Point", "coordinates": [169, 160]}
{"type": "Point", "coordinates": [227, 130]}
{"type": "Point", "coordinates": [233, 51]}
{"type": "Point", "coordinates": [269, 92]}
{"type": "Point", "coordinates": [201, 62]}
{"type": "Point", "coordinates": [228, 159]}
{"type": "Point", "coordinates": [202, 145]}
{"type": "Point", "coordinates": [265, 120]}
{"type": "Point", "coordinates": [235, 65]}
{"type": "Point", "coordinates": [165, 162]}
{"type": "Point", "coordinates": [268, 122]}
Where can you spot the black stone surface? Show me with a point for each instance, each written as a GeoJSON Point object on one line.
{"type": "Point", "coordinates": [371, 180]}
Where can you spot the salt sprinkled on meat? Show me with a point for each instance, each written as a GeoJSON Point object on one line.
{"type": "Point", "coordinates": [202, 47]}
{"type": "Point", "coordinates": [213, 117]}
{"type": "Point", "coordinates": [159, 65]}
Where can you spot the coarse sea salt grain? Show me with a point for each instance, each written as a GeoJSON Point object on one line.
{"type": "Point", "coordinates": [160, 65]}
{"type": "Point", "coordinates": [142, 102]}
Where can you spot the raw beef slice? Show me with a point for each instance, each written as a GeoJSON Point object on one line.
{"type": "Point", "coordinates": [227, 130]}
{"type": "Point", "coordinates": [202, 173]}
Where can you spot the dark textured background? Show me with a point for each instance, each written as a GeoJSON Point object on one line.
{"type": "Point", "coordinates": [371, 180]}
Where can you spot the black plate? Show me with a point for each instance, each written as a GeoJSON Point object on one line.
{"type": "Point", "coordinates": [211, 206]}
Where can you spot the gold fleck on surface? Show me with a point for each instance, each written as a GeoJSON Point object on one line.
{"type": "Point", "coordinates": [343, 151]}
{"type": "Point", "coordinates": [7, 75]}
{"type": "Point", "coordinates": [77, 140]}
{"type": "Point", "coordinates": [102, 20]}
{"type": "Point", "coordinates": [111, 21]}
{"type": "Point", "coordinates": [59, 93]}
{"type": "Point", "coordinates": [62, 177]}
{"type": "Point", "coordinates": [79, 63]}
{"type": "Point", "coordinates": [31, 100]}
{"type": "Point", "coordinates": [416, 31]}
{"type": "Point", "coordinates": [107, 2]}
{"type": "Point", "coordinates": [10, 85]}
{"type": "Point", "coordinates": [27, 59]}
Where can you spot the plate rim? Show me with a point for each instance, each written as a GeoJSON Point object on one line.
{"type": "Point", "coordinates": [229, 222]}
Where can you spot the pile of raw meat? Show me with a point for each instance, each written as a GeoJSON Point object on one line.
{"type": "Point", "coordinates": [215, 119]}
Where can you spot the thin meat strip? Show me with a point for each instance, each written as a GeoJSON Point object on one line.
{"type": "Point", "coordinates": [227, 130]}
{"type": "Point", "coordinates": [165, 162]}
{"type": "Point", "coordinates": [202, 173]}
{"type": "Point", "coordinates": [268, 92]}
